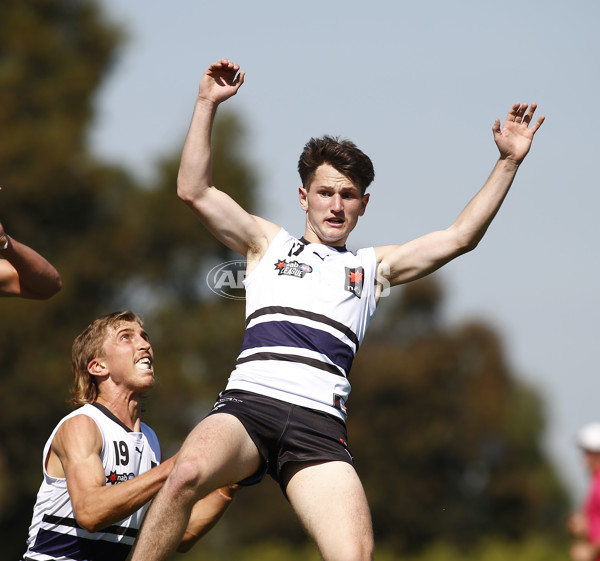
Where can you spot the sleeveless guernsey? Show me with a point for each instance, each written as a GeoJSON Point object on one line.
{"type": "Point", "coordinates": [54, 533]}
{"type": "Point", "coordinates": [307, 310]}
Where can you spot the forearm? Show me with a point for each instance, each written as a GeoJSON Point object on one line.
{"type": "Point", "coordinates": [221, 215]}
{"type": "Point", "coordinates": [205, 514]}
{"type": "Point", "coordinates": [108, 504]}
{"type": "Point", "coordinates": [474, 220]}
{"type": "Point", "coordinates": [195, 170]}
{"type": "Point", "coordinates": [37, 278]}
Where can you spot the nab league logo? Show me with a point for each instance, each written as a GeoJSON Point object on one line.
{"type": "Point", "coordinates": [292, 269]}
{"type": "Point", "coordinates": [113, 477]}
{"type": "Point", "coordinates": [354, 280]}
{"type": "Point", "coordinates": [227, 279]}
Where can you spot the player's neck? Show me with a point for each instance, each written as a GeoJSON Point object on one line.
{"type": "Point", "coordinates": [310, 237]}
{"type": "Point", "coordinates": [127, 411]}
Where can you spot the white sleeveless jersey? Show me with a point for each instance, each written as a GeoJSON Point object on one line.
{"type": "Point", "coordinates": [307, 310]}
{"type": "Point", "coordinates": [54, 533]}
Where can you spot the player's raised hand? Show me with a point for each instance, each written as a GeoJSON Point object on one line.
{"type": "Point", "coordinates": [515, 137]}
{"type": "Point", "coordinates": [221, 81]}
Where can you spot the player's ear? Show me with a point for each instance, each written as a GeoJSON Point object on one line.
{"type": "Point", "coordinates": [96, 367]}
{"type": "Point", "coordinates": [364, 202]}
{"type": "Point", "coordinates": [303, 196]}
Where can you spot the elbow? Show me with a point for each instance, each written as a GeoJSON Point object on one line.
{"type": "Point", "coordinates": [51, 286]}
{"type": "Point", "coordinates": [91, 528]}
{"type": "Point", "coordinates": [466, 236]}
{"type": "Point", "coordinates": [89, 523]}
{"type": "Point", "coordinates": [186, 190]}
{"type": "Point", "coordinates": [187, 196]}
{"type": "Point", "coordinates": [183, 193]}
{"type": "Point", "coordinates": [192, 190]}
{"type": "Point", "coordinates": [89, 518]}
{"type": "Point", "coordinates": [57, 284]}
{"type": "Point", "coordinates": [468, 246]}
{"type": "Point", "coordinates": [54, 287]}
{"type": "Point", "coordinates": [465, 242]}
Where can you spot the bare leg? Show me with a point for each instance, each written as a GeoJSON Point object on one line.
{"type": "Point", "coordinates": [216, 453]}
{"type": "Point", "coordinates": [331, 503]}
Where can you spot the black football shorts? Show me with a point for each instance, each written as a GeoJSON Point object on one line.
{"type": "Point", "coordinates": [284, 432]}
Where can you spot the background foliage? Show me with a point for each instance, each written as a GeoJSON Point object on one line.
{"type": "Point", "coordinates": [447, 440]}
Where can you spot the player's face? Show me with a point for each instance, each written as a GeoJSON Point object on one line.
{"type": "Point", "coordinates": [128, 357]}
{"type": "Point", "coordinates": [333, 205]}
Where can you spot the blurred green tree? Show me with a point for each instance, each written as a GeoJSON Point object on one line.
{"type": "Point", "coordinates": [52, 57]}
{"type": "Point", "coordinates": [116, 244]}
{"type": "Point", "coordinates": [448, 439]}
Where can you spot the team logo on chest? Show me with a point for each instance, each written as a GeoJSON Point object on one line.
{"type": "Point", "coordinates": [292, 268]}
{"type": "Point", "coordinates": [354, 280]}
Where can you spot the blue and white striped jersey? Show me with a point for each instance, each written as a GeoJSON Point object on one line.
{"type": "Point", "coordinates": [307, 310]}
{"type": "Point", "coordinates": [54, 534]}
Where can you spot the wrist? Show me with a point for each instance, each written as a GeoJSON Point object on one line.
{"type": "Point", "coordinates": [207, 103]}
{"type": "Point", "coordinates": [510, 163]}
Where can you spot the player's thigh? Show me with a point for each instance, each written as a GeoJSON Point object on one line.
{"type": "Point", "coordinates": [218, 452]}
{"type": "Point", "coordinates": [331, 503]}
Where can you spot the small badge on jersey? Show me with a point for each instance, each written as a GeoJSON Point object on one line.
{"type": "Point", "coordinates": [354, 280]}
{"type": "Point", "coordinates": [113, 477]}
{"type": "Point", "coordinates": [292, 268]}
{"type": "Point", "coordinates": [339, 403]}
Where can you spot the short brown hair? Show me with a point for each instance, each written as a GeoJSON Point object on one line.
{"type": "Point", "coordinates": [88, 346]}
{"type": "Point", "coordinates": [342, 154]}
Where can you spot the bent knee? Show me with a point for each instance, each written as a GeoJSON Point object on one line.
{"type": "Point", "coordinates": [364, 552]}
{"type": "Point", "coordinates": [188, 475]}
{"type": "Point", "coordinates": [345, 546]}
{"type": "Point", "coordinates": [349, 552]}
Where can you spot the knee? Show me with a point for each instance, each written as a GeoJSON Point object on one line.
{"type": "Point", "coordinates": [350, 554]}
{"type": "Point", "coordinates": [367, 552]}
{"type": "Point", "coordinates": [349, 550]}
{"type": "Point", "coordinates": [362, 552]}
{"type": "Point", "coordinates": [187, 476]}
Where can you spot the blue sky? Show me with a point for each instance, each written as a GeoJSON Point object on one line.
{"type": "Point", "coordinates": [417, 86]}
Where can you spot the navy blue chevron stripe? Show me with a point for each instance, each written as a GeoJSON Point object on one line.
{"type": "Point", "coordinates": [288, 334]}
{"type": "Point", "coordinates": [288, 357]}
{"type": "Point", "coordinates": [294, 312]}
{"type": "Point", "coordinates": [72, 523]}
{"type": "Point", "coordinates": [57, 545]}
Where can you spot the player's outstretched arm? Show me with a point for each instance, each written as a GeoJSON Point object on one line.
{"type": "Point", "coordinates": [24, 272]}
{"type": "Point", "coordinates": [228, 221]}
{"type": "Point", "coordinates": [403, 263]}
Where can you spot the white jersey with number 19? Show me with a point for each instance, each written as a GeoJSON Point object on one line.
{"type": "Point", "coordinates": [54, 534]}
